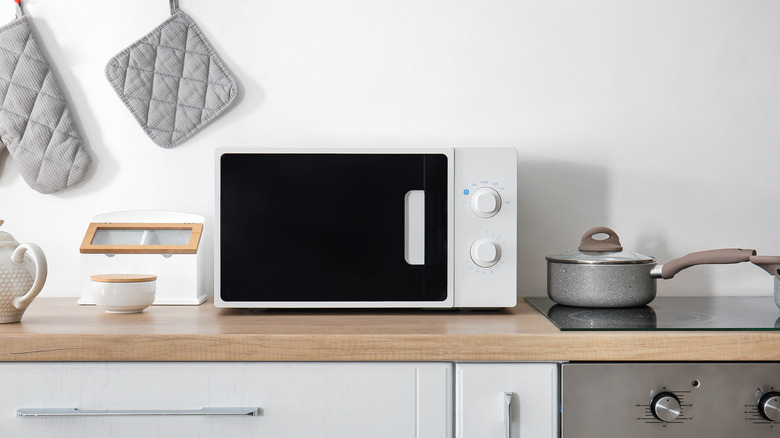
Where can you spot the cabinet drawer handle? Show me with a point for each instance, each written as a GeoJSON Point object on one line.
{"type": "Point", "coordinates": [508, 414]}
{"type": "Point", "coordinates": [75, 412]}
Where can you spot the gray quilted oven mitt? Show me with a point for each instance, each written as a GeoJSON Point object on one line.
{"type": "Point", "coordinates": [172, 81]}
{"type": "Point", "coordinates": [35, 123]}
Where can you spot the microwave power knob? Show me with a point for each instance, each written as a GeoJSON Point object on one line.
{"type": "Point", "coordinates": [666, 407]}
{"type": "Point", "coordinates": [485, 252]}
{"type": "Point", "coordinates": [769, 406]}
{"type": "Point", "coordinates": [485, 202]}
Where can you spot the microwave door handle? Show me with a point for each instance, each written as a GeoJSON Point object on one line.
{"type": "Point", "coordinates": [414, 227]}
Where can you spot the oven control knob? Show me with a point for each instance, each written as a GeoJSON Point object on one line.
{"type": "Point", "coordinates": [485, 202]}
{"type": "Point", "coordinates": [485, 252]}
{"type": "Point", "coordinates": [769, 406]}
{"type": "Point", "coordinates": [666, 407]}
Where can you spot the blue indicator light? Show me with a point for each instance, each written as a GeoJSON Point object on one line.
{"type": "Point", "coordinates": [465, 191]}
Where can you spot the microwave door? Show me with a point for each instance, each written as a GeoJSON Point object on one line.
{"type": "Point", "coordinates": [333, 227]}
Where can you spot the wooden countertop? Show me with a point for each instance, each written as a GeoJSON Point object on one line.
{"type": "Point", "coordinates": [57, 329]}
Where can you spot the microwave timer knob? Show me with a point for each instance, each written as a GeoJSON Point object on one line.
{"type": "Point", "coordinates": [485, 202]}
{"type": "Point", "coordinates": [485, 252]}
{"type": "Point", "coordinates": [769, 406]}
{"type": "Point", "coordinates": [666, 407]}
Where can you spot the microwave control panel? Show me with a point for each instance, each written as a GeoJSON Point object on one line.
{"type": "Point", "coordinates": [485, 241]}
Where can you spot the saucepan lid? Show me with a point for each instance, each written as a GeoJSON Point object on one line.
{"type": "Point", "coordinates": [607, 251]}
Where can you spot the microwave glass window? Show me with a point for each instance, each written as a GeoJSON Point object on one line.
{"type": "Point", "coordinates": [330, 227]}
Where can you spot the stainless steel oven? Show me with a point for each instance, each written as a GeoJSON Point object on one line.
{"type": "Point", "coordinates": [647, 400]}
{"type": "Point", "coordinates": [366, 227]}
{"type": "Point", "coordinates": [669, 399]}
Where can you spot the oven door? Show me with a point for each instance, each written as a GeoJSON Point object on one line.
{"type": "Point", "coordinates": [325, 228]}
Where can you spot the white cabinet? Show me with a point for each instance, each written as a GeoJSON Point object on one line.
{"type": "Point", "coordinates": [332, 399]}
{"type": "Point", "coordinates": [483, 392]}
{"type": "Point", "coordinates": [294, 399]}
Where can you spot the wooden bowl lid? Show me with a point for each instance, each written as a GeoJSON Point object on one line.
{"type": "Point", "coordinates": [123, 278]}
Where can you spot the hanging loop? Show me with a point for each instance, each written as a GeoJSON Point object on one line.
{"type": "Point", "coordinates": [19, 10]}
{"type": "Point", "coordinates": [174, 6]}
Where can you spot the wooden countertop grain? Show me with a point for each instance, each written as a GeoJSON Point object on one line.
{"type": "Point", "coordinates": [58, 329]}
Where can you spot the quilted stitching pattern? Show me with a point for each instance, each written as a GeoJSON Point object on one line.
{"type": "Point", "coordinates": [35, 123]}
{"type": "Point", "coordinates": [172, 81]}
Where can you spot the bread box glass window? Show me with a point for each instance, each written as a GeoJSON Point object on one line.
{"type": "Point", "coordinates": [121, 236]}
{"type": "Point", "coordinates": [126, 238]}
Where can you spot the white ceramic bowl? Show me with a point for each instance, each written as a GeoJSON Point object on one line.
{"type": "Point", "coordinates": [124, 293]}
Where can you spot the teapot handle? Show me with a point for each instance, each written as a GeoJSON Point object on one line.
{"type": "Point", "coordinates": [41, 269]}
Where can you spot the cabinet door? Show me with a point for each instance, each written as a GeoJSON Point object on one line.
{"type": "Point", "coordinates": [294, 399]}
{"type": "Point", "coordinates": [491, 396]}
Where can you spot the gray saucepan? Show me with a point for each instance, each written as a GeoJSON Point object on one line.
{"type": "Point", "coordinates": [602, 274]}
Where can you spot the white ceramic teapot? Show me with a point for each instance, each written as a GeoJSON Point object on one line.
{"type": "Point", "coordinates": [21, 278]}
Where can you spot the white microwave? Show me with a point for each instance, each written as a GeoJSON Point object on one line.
{"type": "Point", "coordinates": [366, 228]}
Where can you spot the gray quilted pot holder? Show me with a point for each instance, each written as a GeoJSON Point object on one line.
{"type": "Point", "coordinates": [35, 123]}
{"type": "Point", "coordinates": [172, 81]}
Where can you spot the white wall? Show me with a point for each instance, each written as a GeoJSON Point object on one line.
{"type": "Point", "coordinates": [659, 119]}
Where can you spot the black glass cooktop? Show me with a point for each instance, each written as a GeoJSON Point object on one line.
{"type": "Point", "coordinates": [668, 313]}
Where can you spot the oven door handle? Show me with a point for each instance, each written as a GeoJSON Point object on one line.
{"type": "Point", "coordinates": [508, 413]}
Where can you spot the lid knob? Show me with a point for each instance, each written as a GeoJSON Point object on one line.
{"type": "Point", "coordinates": [611, 243]}
{"type": "Point", "coordinates": [6, 238]}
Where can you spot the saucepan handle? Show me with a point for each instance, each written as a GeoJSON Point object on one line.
{"type": "Point", "coordinates": [711, 257]}
{"type": "Point", "coordinates": [770, 264]}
